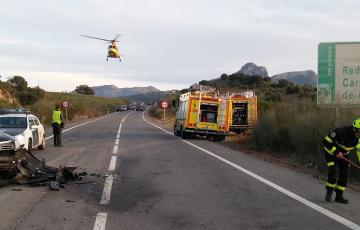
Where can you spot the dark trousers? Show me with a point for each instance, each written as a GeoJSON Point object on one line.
{"type": "Point", "coordinates": [336, 183]}
{"type": "Point", "coordinates": [57, 133]}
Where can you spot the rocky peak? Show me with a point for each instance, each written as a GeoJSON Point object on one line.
{"type": "Point", "coordinates": [251, 69]}
{"type": "Point", "coordinates": [308, 77]}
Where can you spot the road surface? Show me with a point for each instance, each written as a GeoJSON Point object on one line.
{"type": "Point", "coordinates": [140, 176]}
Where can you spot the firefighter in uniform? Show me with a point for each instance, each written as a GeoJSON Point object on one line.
{"type": "Point", "coordinates": [337, 145]}
{"type": "Point", "coordinates": [57, 124]}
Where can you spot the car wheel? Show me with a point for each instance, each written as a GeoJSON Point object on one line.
{"type": "Point", "coordinates": [8, 174]}
{"type": "Point", "coordinates": [29, 146]}
{"type": "Point", "coordinates": [42, 146]}
{"type": "Point", "coordinates": [184, 134]}
{"type": "Point", "coordinates": [218, 138]}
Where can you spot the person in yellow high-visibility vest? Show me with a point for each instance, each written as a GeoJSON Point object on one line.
{"type": "Point", "coordinates": [337, 146]}
{"type": "Point", "coordinates": [57, 124]}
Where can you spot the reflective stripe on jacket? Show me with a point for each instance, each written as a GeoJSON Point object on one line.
{"type": "Point", "coordinates": [341, 140]}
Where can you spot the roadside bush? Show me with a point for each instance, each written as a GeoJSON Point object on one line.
{"type": "Point", "coordinates": [156, 112]}
{"type": "Point", "coordinates": [277, 135]}
{"type": "Point", "coordinates": [296, 130]}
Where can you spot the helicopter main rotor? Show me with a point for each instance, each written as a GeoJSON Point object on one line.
{"type": "Point", "coordinates": [103, 39]}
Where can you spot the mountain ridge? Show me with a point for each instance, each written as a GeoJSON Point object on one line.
{"type": "Point", "coordinates": [306, 77]}
{"type": "Point", "coordinates": [114, 91]}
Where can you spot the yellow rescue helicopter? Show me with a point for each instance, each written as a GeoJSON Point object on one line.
{"type": "Point", "coordinates": [113, 51]}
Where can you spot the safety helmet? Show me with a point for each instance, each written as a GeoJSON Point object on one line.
{"type": "Point", "coordinates": [356, 123]}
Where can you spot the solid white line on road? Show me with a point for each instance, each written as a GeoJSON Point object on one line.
{"type": "Point", "coordinates": [115, 150]}
{"type": "Point", "coordinates": [78, 126]}
{"type": "Point", "coordinates": [100, 221]}
{"type": "Point", "coordinates": [119, 131]}
{"type": "Point", "coordinates": [116, 141]}
{"type": "Point", "coordinates": [302, 200]}
{"type": "Point", "coordinates": [105, 198]}
{"type": "Point", "coordinates": [112, 163]}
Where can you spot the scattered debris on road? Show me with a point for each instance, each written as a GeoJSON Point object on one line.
{"type": "Point", "coordinates": [22, 168]}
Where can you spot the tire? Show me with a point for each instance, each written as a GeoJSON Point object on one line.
{"type": "Point", "coordinates": [8, 174]}
{"type": "Point", "coordinates": [29, 145]}
{"type": "Point", "coordinates": [218, 138]}
{"type": "Point", "coordinates": [238, 131]}
{"type": "Point", "coordinates": [42, 146]}
{"type": "Point", "coordinates": [184, 134]}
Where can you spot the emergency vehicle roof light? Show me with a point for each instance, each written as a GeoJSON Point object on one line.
{"type": "Point", "coordinates": [16, 111]}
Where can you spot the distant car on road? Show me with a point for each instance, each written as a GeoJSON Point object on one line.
{"type": "Point", "coordinates": [122, 108]}
{"type": "Point", "coordinates": [26, 129]}
{"type": "Point", "coordinates": [140, 107]}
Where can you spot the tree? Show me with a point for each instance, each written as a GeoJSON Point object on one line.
{"type": "Point", "coordinates": [283, 83]}
{"type": "Point", "coordinates": [223, 76]}
{"type": "Point", "coordinates": [18, 82]}
{"type": "Point", "coordinates": [273, 95]}
{"type": "Point", "coordinates": [84, 89]}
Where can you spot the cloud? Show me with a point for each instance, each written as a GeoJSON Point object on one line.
{"type": "Point", "coordinates": [166, 42]}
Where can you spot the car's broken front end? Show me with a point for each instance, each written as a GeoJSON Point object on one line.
{"type": "Point", "coordinates": [8, 156]}
{"type": "Point", "coordinates": [18, 162]}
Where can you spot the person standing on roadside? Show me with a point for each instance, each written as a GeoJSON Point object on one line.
{"type": "Point", "coordinates": [57, 124]}
{"type": "Point", "coordinates": [337, 146]}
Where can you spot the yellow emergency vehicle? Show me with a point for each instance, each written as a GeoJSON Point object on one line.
{"type": "Point", "coordinates": [243, 111]}
{"type": "Point", "coordinates": [202, 113]}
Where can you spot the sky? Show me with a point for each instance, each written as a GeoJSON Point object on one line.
{"type": "Point", "coordinates": [167, 44]}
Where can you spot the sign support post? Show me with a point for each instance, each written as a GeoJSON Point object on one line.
{"type": "Point", "coordinates": [164, 105]}
{"type": "Point", "coordinates": [65, 104]}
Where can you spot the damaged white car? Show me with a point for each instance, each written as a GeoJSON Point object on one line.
{"type": "Point", "coordinates": [25, 128]}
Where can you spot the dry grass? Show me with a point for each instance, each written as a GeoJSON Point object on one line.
{"type": "Point", "coordinates": [80, 106]}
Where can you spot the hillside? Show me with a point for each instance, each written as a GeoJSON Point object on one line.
{"type": "Point", "coordinates": [148, 98]}
{"type": "Point", "coordinates": [80, 106]}
{"type": "Point", "coordinates": [113, 91]}
{"type": "Point", "coordinates": [307, 77]}
{"type": "Point", "coordinates": [15, 93]}
{"type": "Point", "coordinates": [7, 100]}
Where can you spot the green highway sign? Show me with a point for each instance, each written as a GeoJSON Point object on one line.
{"type": "Point", "coordinates": [338, 74]}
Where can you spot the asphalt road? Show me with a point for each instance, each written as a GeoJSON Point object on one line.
{"type": "Point", "coordinates": [142, 177]}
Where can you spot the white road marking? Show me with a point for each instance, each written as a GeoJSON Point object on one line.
{"type": "Point", "coordinates": [100, 221]}
{"type": "Point", "coordinates": [105, 198]}
{"type": "Point", "coordinates": [112, 163]}
{"type": "Point", "coordinates": [119, 131]}
{"type": "Point", "coordinates": [123, 120]}
{"type": "Point", "coordinates": [116, 141]}
{"type": "Point", "coordinates": [302, 200]}
{"type": "Point", "coordinates": [115, 150]}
